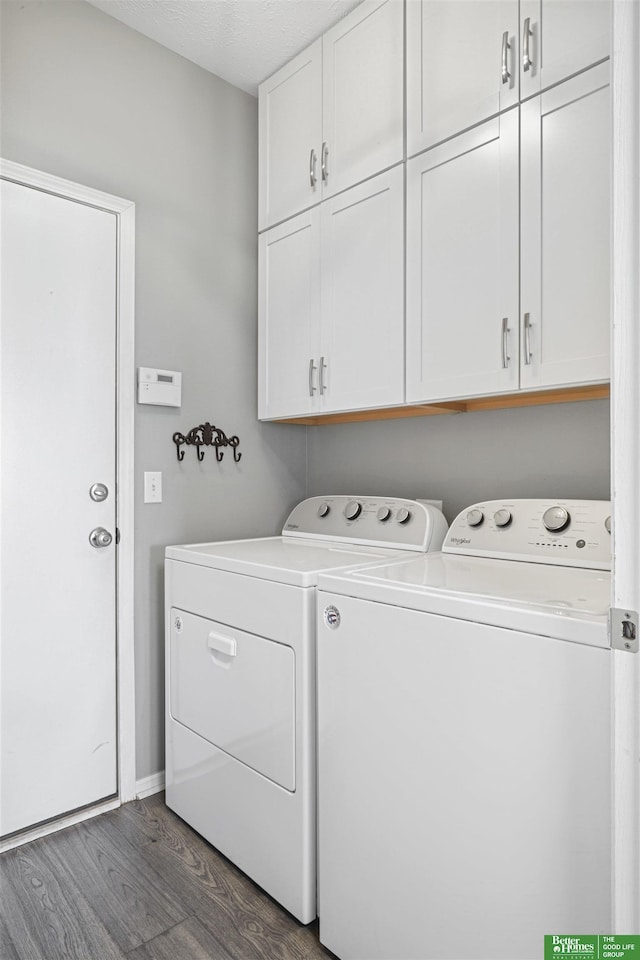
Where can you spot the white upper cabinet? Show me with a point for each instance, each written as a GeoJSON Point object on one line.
{"type": "Point", "coordinates": [333, 116]}
{"type": "Point", "coordinates": [289, 317]}
{"type": "Point", "coordinates": [507, 207]}
{"type": "Point", "coordinates": [362, 341]}
{"type": "Point", "coordinates": [468, 60]}
{"type": "Point", "coordinates": [560, 38]}
{"type": "Point", "coordinates": [331, 304]}
{"type": "Point", "coordinates": [462, 265]}
{"type": "Point", "coordinates": [363, 90]}
{"type": "Point", "coordinates": [466, 335]}
{"type": "Point", "coordinates": [290, 119]}
{"type": "Point", "coordinates": [462, 66]}
{"type": "Point", "coordinates": [566, 185]}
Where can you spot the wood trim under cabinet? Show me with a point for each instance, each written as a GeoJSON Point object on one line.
{"type": "Point", "coordinates": [598, 391]}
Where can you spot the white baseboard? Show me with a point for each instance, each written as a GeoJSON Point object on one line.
{"type": "Point", "coordinates": [150, 785]}
{"type": "Point", "coordinates": [145, 787]}
{"type": "Point", "coordinates": [54, 825]}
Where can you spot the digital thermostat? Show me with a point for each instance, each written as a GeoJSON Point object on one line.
{"type": "Point", "coordinates": [163, 387]}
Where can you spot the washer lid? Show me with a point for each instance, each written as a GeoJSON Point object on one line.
{"type": "Point", "coordinates": [283, 559]}
{"type": "Point", "coordinates": [565, 602]}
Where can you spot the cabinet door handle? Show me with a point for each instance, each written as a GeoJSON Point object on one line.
{"type": "Point", "coordinates": [312, 369]}
{"type": "Point", "coordinates": [505, 343]}
{"type": "Point", "coordinates": [527, 33]}
{"type": "Point", "coordinates": [324, 162]}
{"type": "Point", "coordinates": [506, 46]}
{"type": "Point", "coordinates": [527, 338]}
{"type": "Point", "coordinates": [313, 176]}
{"type": "Point", "coordinates": [323, 367]}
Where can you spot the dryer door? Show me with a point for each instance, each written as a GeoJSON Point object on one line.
{"type": "Point", "coordinates": [237, 690]}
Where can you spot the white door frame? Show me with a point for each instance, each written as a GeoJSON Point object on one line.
{"type": "Point", "coordinates": [124, 211]}
{"type": "Point", "coordinates": [625, 457]}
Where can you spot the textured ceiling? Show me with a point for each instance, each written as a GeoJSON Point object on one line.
{"type": "Point", "coordinates": [242, 41]}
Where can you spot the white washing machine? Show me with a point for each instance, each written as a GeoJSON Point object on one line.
{"type": "Point", "coordinates": [241, 679]}
{"type": "Point", "coordinates": [464, 740]}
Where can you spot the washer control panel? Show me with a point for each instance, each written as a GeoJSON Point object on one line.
{"type": "Point", "coordinates": [573, 533]}
{"type": "Point", "coordinates": [385, 521]}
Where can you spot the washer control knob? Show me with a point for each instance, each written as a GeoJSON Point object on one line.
{"type": "Point", "coordinates": [353, 510]}
{"type": "Point", "coordinates": [475, 517]}
{"type": "Point", "coordinates": [607, 524]}
{"type": "Point", "coordinates": [556, 519]}
{"type": "Point", "coordinates": [502, 518]}
{"type": "Point", "coordinates": [323, 510]}
{"type": "Point", "coordinates": [383, 514]}
{"type": "Point", "coordinates": [403, 515]}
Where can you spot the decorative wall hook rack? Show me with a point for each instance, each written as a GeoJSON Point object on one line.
{"type": "Point", "coordinates": [207, 435]}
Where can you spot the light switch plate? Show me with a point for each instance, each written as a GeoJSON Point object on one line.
{"type": "Point", "coordinates": [153, 487]}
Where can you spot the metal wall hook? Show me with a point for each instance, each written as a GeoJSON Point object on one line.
{"type": "Point", "coordinates": [178, 439]}
{"type": "Point", "coordinates": [233, 443]}
{"type": "Point", "coordinates": [207, 435]}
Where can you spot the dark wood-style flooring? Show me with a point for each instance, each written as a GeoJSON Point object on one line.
{"type": "Point", "coordinates": [139, 883]}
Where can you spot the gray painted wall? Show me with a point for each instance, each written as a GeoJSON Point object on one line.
{"type": "Point", "coordinates": [86, 98]}
{"type": "Point", "coordinates": [561, 450]}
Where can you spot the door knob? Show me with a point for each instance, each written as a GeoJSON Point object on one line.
{"type": "Point", "coordinates": [99, 537]}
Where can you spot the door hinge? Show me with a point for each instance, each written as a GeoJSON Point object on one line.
{"type": "Point", "coordinates": [117, 535]}
{"type": "Point", "coordinates": [623, 629]}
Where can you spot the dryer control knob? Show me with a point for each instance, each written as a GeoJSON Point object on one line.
{"type": "Point", "coordinates": [403, 515]}
{"type": "Point", "coordinates": [475, 517]}
{"type": "Point", "coordinates": [353, 510]}
{"type": "Point", "coordinates": [383, 514]}
{"type": "Point", "coordinates": [607, 524]}
{"type": "Point", "coordinates": [324, 509]}
{"type": "Point", "coordinates": [556, 519]}
{"type": "Point", "coordinates": [502, 518]}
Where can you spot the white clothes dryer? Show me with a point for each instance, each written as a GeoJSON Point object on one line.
{"type": "Point", "coordinates": [464, 740]}
{"type": "Point", "coordinates": [241, 679]}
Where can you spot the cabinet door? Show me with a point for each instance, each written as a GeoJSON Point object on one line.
{"type": "Point", "coordinates": [363, 109]}
{"type": "Point", "coordinates": [363, 295]}
{"type": "Point", "coordinates": [462, 265]}
{"type": "Point", "coordinates": [559, 38]}
{"type": "Point", "coordinates": [290, 121]}
{"type": "Point", "coordinates": [566, 142]}
{"type": "Point", "coordinates": [462, 66]}
{"type": "Point", "coordinates": [288, 317]}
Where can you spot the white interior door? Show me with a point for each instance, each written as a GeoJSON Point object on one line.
{"type": "Point", "coordinates": [58, 438]}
